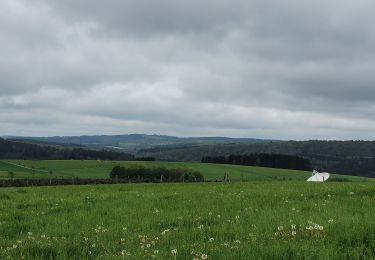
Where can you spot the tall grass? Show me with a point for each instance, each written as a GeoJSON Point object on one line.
{"type": "Point", "coordinates": [253, 220]}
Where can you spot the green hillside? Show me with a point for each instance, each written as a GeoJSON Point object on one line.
{"type": "Point", "coordinates": [345, 157]}
{"type": "Point", "coordinates": [101, 169]}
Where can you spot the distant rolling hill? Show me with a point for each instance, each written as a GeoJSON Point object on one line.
{"type": "Point", "coordinates": [14, 149]}
{"type": "Point", "coordinates": [136, 142]}
{"type": "Point", "coordinates": [344, 157]}
{"type": "Point", "coordinates": [44, 142]}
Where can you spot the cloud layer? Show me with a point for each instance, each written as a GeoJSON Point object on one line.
{"type": "Point", "coordinates": [262, 68]}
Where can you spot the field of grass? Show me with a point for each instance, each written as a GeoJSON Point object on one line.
{"type": "Point", "coordinates": [251, 220]}
{"type": "Point", "coordinates": [101, 169]}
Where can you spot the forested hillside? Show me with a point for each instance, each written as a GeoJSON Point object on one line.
{"type": "Point", "coordinates": [280, 161]}
{"type": "Point", "coordinates": [134, 142]}
{"type": "Point", "coordinates": [346, 157]}
{"type": "Point", "coordinates": [19, 150]}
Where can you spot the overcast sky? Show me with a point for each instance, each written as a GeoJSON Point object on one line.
{"type": "Point", "coordinates": [291, 69]}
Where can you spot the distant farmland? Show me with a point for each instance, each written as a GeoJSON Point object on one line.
{"type": "Point", "coordinates": [101, 169]}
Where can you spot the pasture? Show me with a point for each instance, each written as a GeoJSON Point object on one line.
{"type": "Point", "coordinates": [272, 214]}
{"type": "Point", "coordinates": [101, 169]}
{"type": "Point", "coordinates": [249, 220]}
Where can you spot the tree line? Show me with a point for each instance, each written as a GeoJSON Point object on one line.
{"type": "Point", "coordinates": [157, 174]}
{"type": "Point", "coordinates": [262, 160]}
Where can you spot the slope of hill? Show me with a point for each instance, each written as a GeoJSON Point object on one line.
{"type": "Point", "coordinates": [45, 143]}
{"type": "Point", "coordinates": [21, 150]}
{"type": "Point", "coordinates": [347, 157]}
{"type": "Point", "coordinates": [136, 142]}
{"type": "Point", "coordinates": [101, 169]}
{"type": "Point", "coordinates": [347, 149]}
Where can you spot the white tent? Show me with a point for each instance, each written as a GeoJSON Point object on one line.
{"type": "Point", "coordinates": [319, 176]}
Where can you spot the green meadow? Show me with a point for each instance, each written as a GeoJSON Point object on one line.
{"type": "Point", "coordinates": [249, 220]}
{"type": "Point", "coordinates": [262, 214]}
{"type": "Point", "coordinates": [101, 169]}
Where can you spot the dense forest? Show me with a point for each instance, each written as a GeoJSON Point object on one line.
{"type": "Point", "coordinates": [19, 150]}
{"type": "Point", "coordinates": [263, 160]}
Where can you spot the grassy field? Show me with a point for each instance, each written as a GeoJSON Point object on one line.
{"type": "Point", "coordinates": [252, 220]}
{"type": "Point", "coordinates": [101, 169]}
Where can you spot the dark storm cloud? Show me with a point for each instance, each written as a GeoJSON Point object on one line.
{"type": "Point", "coordinates": [280, 69]}
{"type": "Point", "coordinates": [153, 18]}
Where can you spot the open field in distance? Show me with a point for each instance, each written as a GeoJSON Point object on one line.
{"type": "Point", "coordinates": [101, 169]}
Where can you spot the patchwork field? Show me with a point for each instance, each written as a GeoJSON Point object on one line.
{"type": "Point", "coordinates": [101, 169]}
{"type": "Point", "coordinates": [250, 220]}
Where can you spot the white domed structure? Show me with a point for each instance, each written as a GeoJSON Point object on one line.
{"type": "Point", "coordinates": [319, 176]}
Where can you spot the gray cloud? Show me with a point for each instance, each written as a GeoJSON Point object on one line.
{"type": "Point", "coordinates": [271, 69]}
